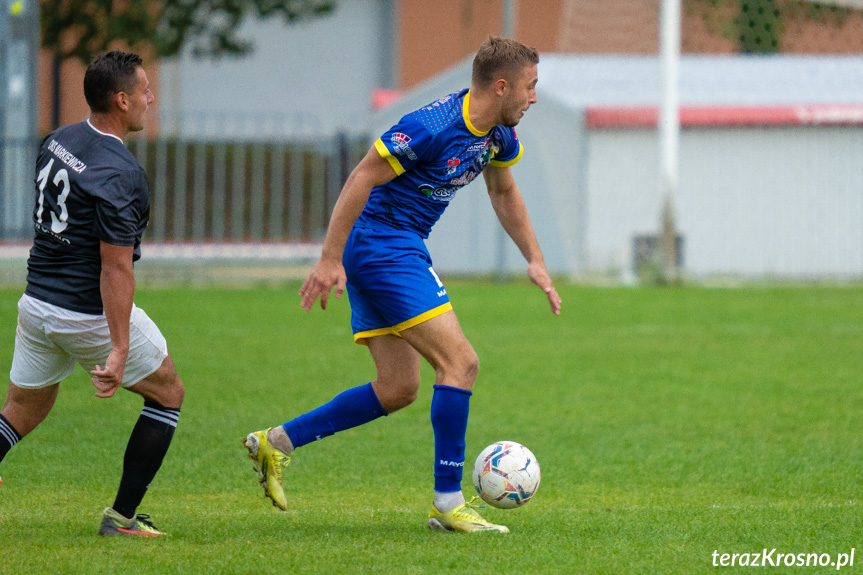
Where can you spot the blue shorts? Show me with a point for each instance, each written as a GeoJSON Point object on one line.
{"type": "Point", "coordinates": [391, 283]}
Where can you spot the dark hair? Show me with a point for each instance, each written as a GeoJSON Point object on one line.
{"type": "Point", "coordinates": [107, 75]}
{"type": "Point", "coordinates": [501, 58]}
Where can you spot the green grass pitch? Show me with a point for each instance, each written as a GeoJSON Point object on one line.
{"type": "Point", "coordinates": [669, 424]}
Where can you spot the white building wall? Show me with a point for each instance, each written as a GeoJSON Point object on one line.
{"type": "Point", "coordinates": [765, 202]}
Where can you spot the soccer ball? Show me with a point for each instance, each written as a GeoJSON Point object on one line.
{"type": "Point", "coordinates": [506, 475]}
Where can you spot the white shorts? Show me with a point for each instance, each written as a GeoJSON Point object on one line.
{"type": "Point", "coordinates": [50, 340]}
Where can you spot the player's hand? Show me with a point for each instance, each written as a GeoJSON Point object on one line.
{"type": "Point", "coordinates": [324, 275]}
{"type": "Point", "coordinates": [109, 379]}
{"type": "Point", "coordinates": [538, 274]}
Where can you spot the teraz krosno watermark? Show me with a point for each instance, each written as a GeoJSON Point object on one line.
{"type": "Point", "coordinates": [775, 558]}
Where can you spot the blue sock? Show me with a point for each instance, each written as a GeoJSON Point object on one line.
{"type": "Point", "coordinates": [449, 411]}
{"type": "Point", "coordinates": [348, 409]}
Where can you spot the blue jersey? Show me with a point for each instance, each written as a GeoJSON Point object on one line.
{"type": "Point", "coordinates": [435, 151]}
{"type": "Point", "coordinates": [89, 188]}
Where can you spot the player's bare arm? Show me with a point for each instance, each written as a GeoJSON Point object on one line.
{"type": "Point", "coordinates": [118, 291]}
{"type": "Point", "coordinates": [373, 170]}
{"type": "Point", "coordinates": [509, 206]}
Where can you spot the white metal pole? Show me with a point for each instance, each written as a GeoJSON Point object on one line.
{"type": "Point", "coordinates": [669, 131]}
{"type": "Point", "coordinates": [509, 8]}
{"type": "Point", "coordinates": [501, 240]}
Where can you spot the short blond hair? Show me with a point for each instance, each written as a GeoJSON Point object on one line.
{"type": "Point", "coordinates": [500, 57]}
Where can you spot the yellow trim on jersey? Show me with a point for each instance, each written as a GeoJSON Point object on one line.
{"type": "Point", "coordinates": [504, 164]}
{"type": "Point", "coordinates": [466, 116]}
{"type": "Point", "coordinates": [385, 154]}
{"type": "Point", "coordinates": [362, 336]}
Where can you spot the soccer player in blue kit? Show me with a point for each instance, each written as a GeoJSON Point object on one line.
{"type": "Point", "coordinates": [92, 206]}
{"type": "Point", "coordinates": [400, 308]}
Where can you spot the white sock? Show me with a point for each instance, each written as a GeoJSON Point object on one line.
{"type": "Point", "coordinates": [446, 502]}
{"type": "Point", "coordinates": [280, 440]}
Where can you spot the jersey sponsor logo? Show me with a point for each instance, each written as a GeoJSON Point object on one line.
{"type": "Point", "coordinates": [438, 194]}
{"type": "Point", "coordinates": [476, 147]}
{"type": "Point", "coordinates": [452, 166]}
{"type": "Point", "coordinates": [439, 102]}
{"type": "Point", "coordinates": [400, 145]}
{"type": "Point", "coordinates": [464, 179]}
{"type": "Point", "coordinates": [66, 157]}
{"type": "Point", "coordinates": [58, 237]}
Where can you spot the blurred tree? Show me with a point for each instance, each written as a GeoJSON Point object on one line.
{"type": "Point", "coordinates": [207, 28]}
{"type": "Point", "coordinates": [757, 25]}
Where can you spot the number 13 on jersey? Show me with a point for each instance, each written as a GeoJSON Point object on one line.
{"type": "Point", "coordinates": [62, 188]}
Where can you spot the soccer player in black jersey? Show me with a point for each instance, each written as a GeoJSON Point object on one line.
{"type": "Point", "coordinates": [92, 206]}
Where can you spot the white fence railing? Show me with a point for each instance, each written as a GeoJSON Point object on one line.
{"type": "Point", "coordinates": [780, 198]}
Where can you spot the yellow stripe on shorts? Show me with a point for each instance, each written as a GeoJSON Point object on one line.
{"type": "Point", "coordinates": [362, 336]}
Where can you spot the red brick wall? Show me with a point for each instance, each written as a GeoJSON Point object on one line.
{"type": "Point", "coordinates": [610, 26]}
{"type": "Point", "coordinates": [436, 35]}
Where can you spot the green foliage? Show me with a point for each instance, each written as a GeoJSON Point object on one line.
{"type": "Point", "coordinates": [757, 25]}
{"type": "Point", "coordinates": [669, 423]}
{"type": "Point", "coordinates": [83, 28]}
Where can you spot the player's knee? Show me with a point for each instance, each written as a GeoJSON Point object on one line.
{"type": "Point", "coordinates": [26, 409]}
{"type": "Point", "coordinates": [473, 367]}
{"type": "Point", "coordinates": [164, 387]}
{"type": "Point", "coordinates": [409, 395]}
{"type": "Point", "coordinates": [468, 367]}
{"type": "Point", "coordinates": [460, 370]}
{"type": "Point", "coordinates": [397, 390]}
{"type": "Point", "coordinates": [171, 396]}
{"type": "Point", "coordinates": [170, 389]}
{"type": "Point", "coordinates": [399, 394]}
{"type": "Point", "coordinates": [397, 402]}
{"type": "Point", "coordinates": [176, 393]}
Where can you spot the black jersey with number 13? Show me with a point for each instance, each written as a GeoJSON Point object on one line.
{"type": "Point", "coordinates": [89, 187]}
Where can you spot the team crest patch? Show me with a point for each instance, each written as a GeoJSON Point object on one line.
{"type": "Point", "coordinates": [452, 166]}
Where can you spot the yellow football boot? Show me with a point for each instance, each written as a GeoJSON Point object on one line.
{"type": "Point", "coordinates": [269, 462]}
{"type": "Point", "coordinates": [463, 519]}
